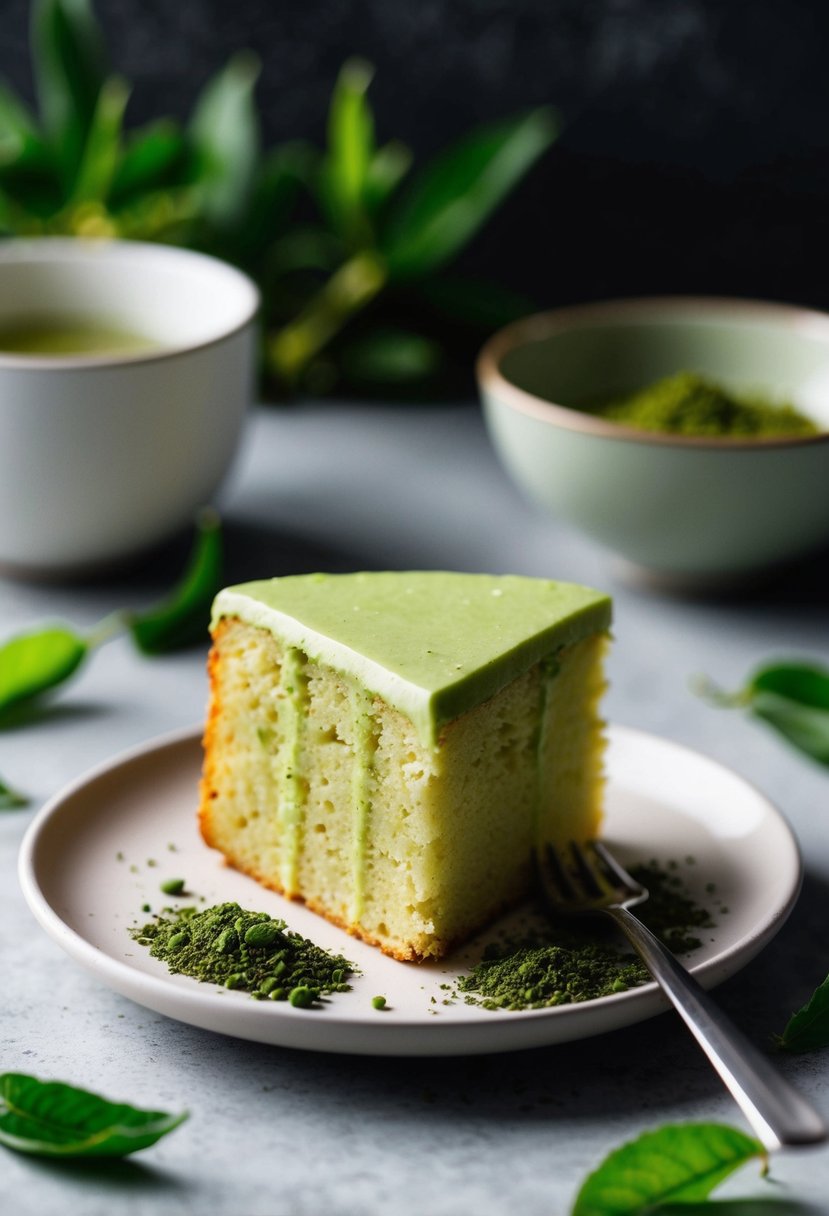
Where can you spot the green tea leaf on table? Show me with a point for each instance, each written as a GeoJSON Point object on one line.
{"type": "Point", "coordinates": [68, 54]}
{"type": "Point", "coordinates": [793, 698]}
{"type": "Point", "coordinates": [454, 197]}
{"type": "Point", "coordinates": [808, 1029]}
{"type": "Point", "coordinates": [52, 1119]}
{"type": "Point", "coordinates": [11, 800]}
{"type": "Point", "coordinates": [224, 132]}
{"type": "Point", "coordinates": [804, 727]}
{"type": "Point", "coordinates": [806, 683]}
{"type": "Point", "coordinates": [32, 664]}
{"type": "Point", "coordinates": [182, 618]}
{"type": "Point", "coordinates": [678, 1163]}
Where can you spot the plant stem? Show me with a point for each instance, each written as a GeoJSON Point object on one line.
{"type": "Point", "coordinates": [354, 285]}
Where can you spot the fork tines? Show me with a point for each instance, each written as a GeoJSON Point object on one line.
{"type": "Point", "coordinates": [585, 877]}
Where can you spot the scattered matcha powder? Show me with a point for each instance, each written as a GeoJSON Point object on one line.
{"type": "Point", "coordinates": [689, 404]}
{"type": "Point", "coordinates": [537, 976]}
{"type": "Point", "coordinates": [565, 964]}
{"type": "Point", "coordinates": [172, 886]}
{"type": "Point", "coordinates": [236, 948]}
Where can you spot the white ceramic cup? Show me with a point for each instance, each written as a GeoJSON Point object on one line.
{"type": "Point", "coordinates": [104, 455]}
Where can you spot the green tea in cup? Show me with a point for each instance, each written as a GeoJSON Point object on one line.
{"type": "Point", "coordinates": [56, 337]}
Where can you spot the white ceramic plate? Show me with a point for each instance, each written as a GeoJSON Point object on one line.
{"type": "Point", "coordinates": [86, 868]}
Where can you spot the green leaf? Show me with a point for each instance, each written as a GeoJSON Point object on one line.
{"type": "Point", "coordinates": [677, 1163]}
{"type": "Point", "coordinates": [804, 727]}
{"type": "Point", "coordinates": [224, 133]}
{"type": "Point", "coordinates": [182, 618]}
{"type": "Point", "coordinates": [32, 664]}
{"type": "Point", "coordinates": [146, 160]}
{"type": "Point", "coordinates": [806, 683]}
{"type": "Point", "coordinates": [808, 1029]}
{"type": "Point", "coordinates": [102, 149]}
{"type": "Point", "coordinates": [11, 800]}
{"type": "Point", "coordinates": [69, 68]}
{"type": "Point", "coordinates": [793, 698]}
{"type": "Point", "coordinates": [350, 152]}
{"type": "Point", "coordinates": [52, 1119]}
{"type": "Point", "coordinates": [455, 196]}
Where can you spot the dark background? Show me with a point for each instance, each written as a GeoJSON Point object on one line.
{"type": "Point", "coordinates": [695, 150]}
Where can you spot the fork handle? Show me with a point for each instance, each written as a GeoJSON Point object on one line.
{"type": "Point", "coordinates": [776, 1112]}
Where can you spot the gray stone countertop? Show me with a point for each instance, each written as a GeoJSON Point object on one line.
{"type": "Point", "coordinates": [275, 1132]}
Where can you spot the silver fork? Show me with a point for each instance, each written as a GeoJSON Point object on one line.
{"type": "Point", "coordinates": [592, 882]}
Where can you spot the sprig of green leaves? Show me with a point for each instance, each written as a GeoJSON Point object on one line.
{"type": "Point", "coordinates": [677, 1163]}
{"type": "Point", "coordinates": [792, 697]}
{"type": "Point", "coordinates": [34, 663]}
{"type": "Point", "coordinates": [53, 1119]}
{"type": "Point", "coordinates": [74, 169]}
{"type": "Point", "coordinates": [386, 227]}
{"type": "Point", "coordinates": [325, 232]}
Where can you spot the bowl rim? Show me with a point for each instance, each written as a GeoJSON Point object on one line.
{"type": "Point", "coordinates": [68, 249]}
{"type": "Point", "coordinates": [540, 325]}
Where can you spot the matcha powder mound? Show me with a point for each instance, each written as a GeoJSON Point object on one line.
{"type": "Point", "coordinates": [688, 404]}
{"type": "Point", "coordinates": [235, 948]}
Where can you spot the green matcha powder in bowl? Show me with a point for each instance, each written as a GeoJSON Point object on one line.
{"type": "Point", "coordinates": [686, 510]}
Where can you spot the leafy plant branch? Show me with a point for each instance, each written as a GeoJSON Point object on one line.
{"type": "Point", "coordinates": [326, 232]}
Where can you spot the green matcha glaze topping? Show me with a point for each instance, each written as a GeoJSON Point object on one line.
{"type": "Point", "coordinates": [430, 643]}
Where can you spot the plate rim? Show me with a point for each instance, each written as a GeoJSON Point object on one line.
{"type": "Point", "coordinates": [404, 1036]}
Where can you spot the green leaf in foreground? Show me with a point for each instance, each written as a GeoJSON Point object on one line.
{"type": "Point", "coordinates": [793, 698]}
{"type": "Point", "coordinates": [183, 617]}
{"type": "Point", "coordinates": [52, 1119]}
{"type": "Point", "coordinates": [678, 1163]}
{"type": "Point", "coordinates": [808, 1029]}
{"type": "Point", "coordinates": [11, 800]}
{"type": "Point", "coordinates": [32, 664]}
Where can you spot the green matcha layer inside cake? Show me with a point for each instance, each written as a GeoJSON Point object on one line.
{"type": "Point", "coordinates": [390, 747]}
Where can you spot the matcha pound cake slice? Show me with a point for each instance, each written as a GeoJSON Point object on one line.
{"type": "Point", "coordinates": [389, 747]}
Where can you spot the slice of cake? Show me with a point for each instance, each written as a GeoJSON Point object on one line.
{"type": "Point", "coordinates": [389, 747]}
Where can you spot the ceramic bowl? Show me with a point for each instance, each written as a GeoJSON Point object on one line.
{"type": "Point", "coordinates": [682, 509]}
{"type": "Point", "coordinates": [102, 455]}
